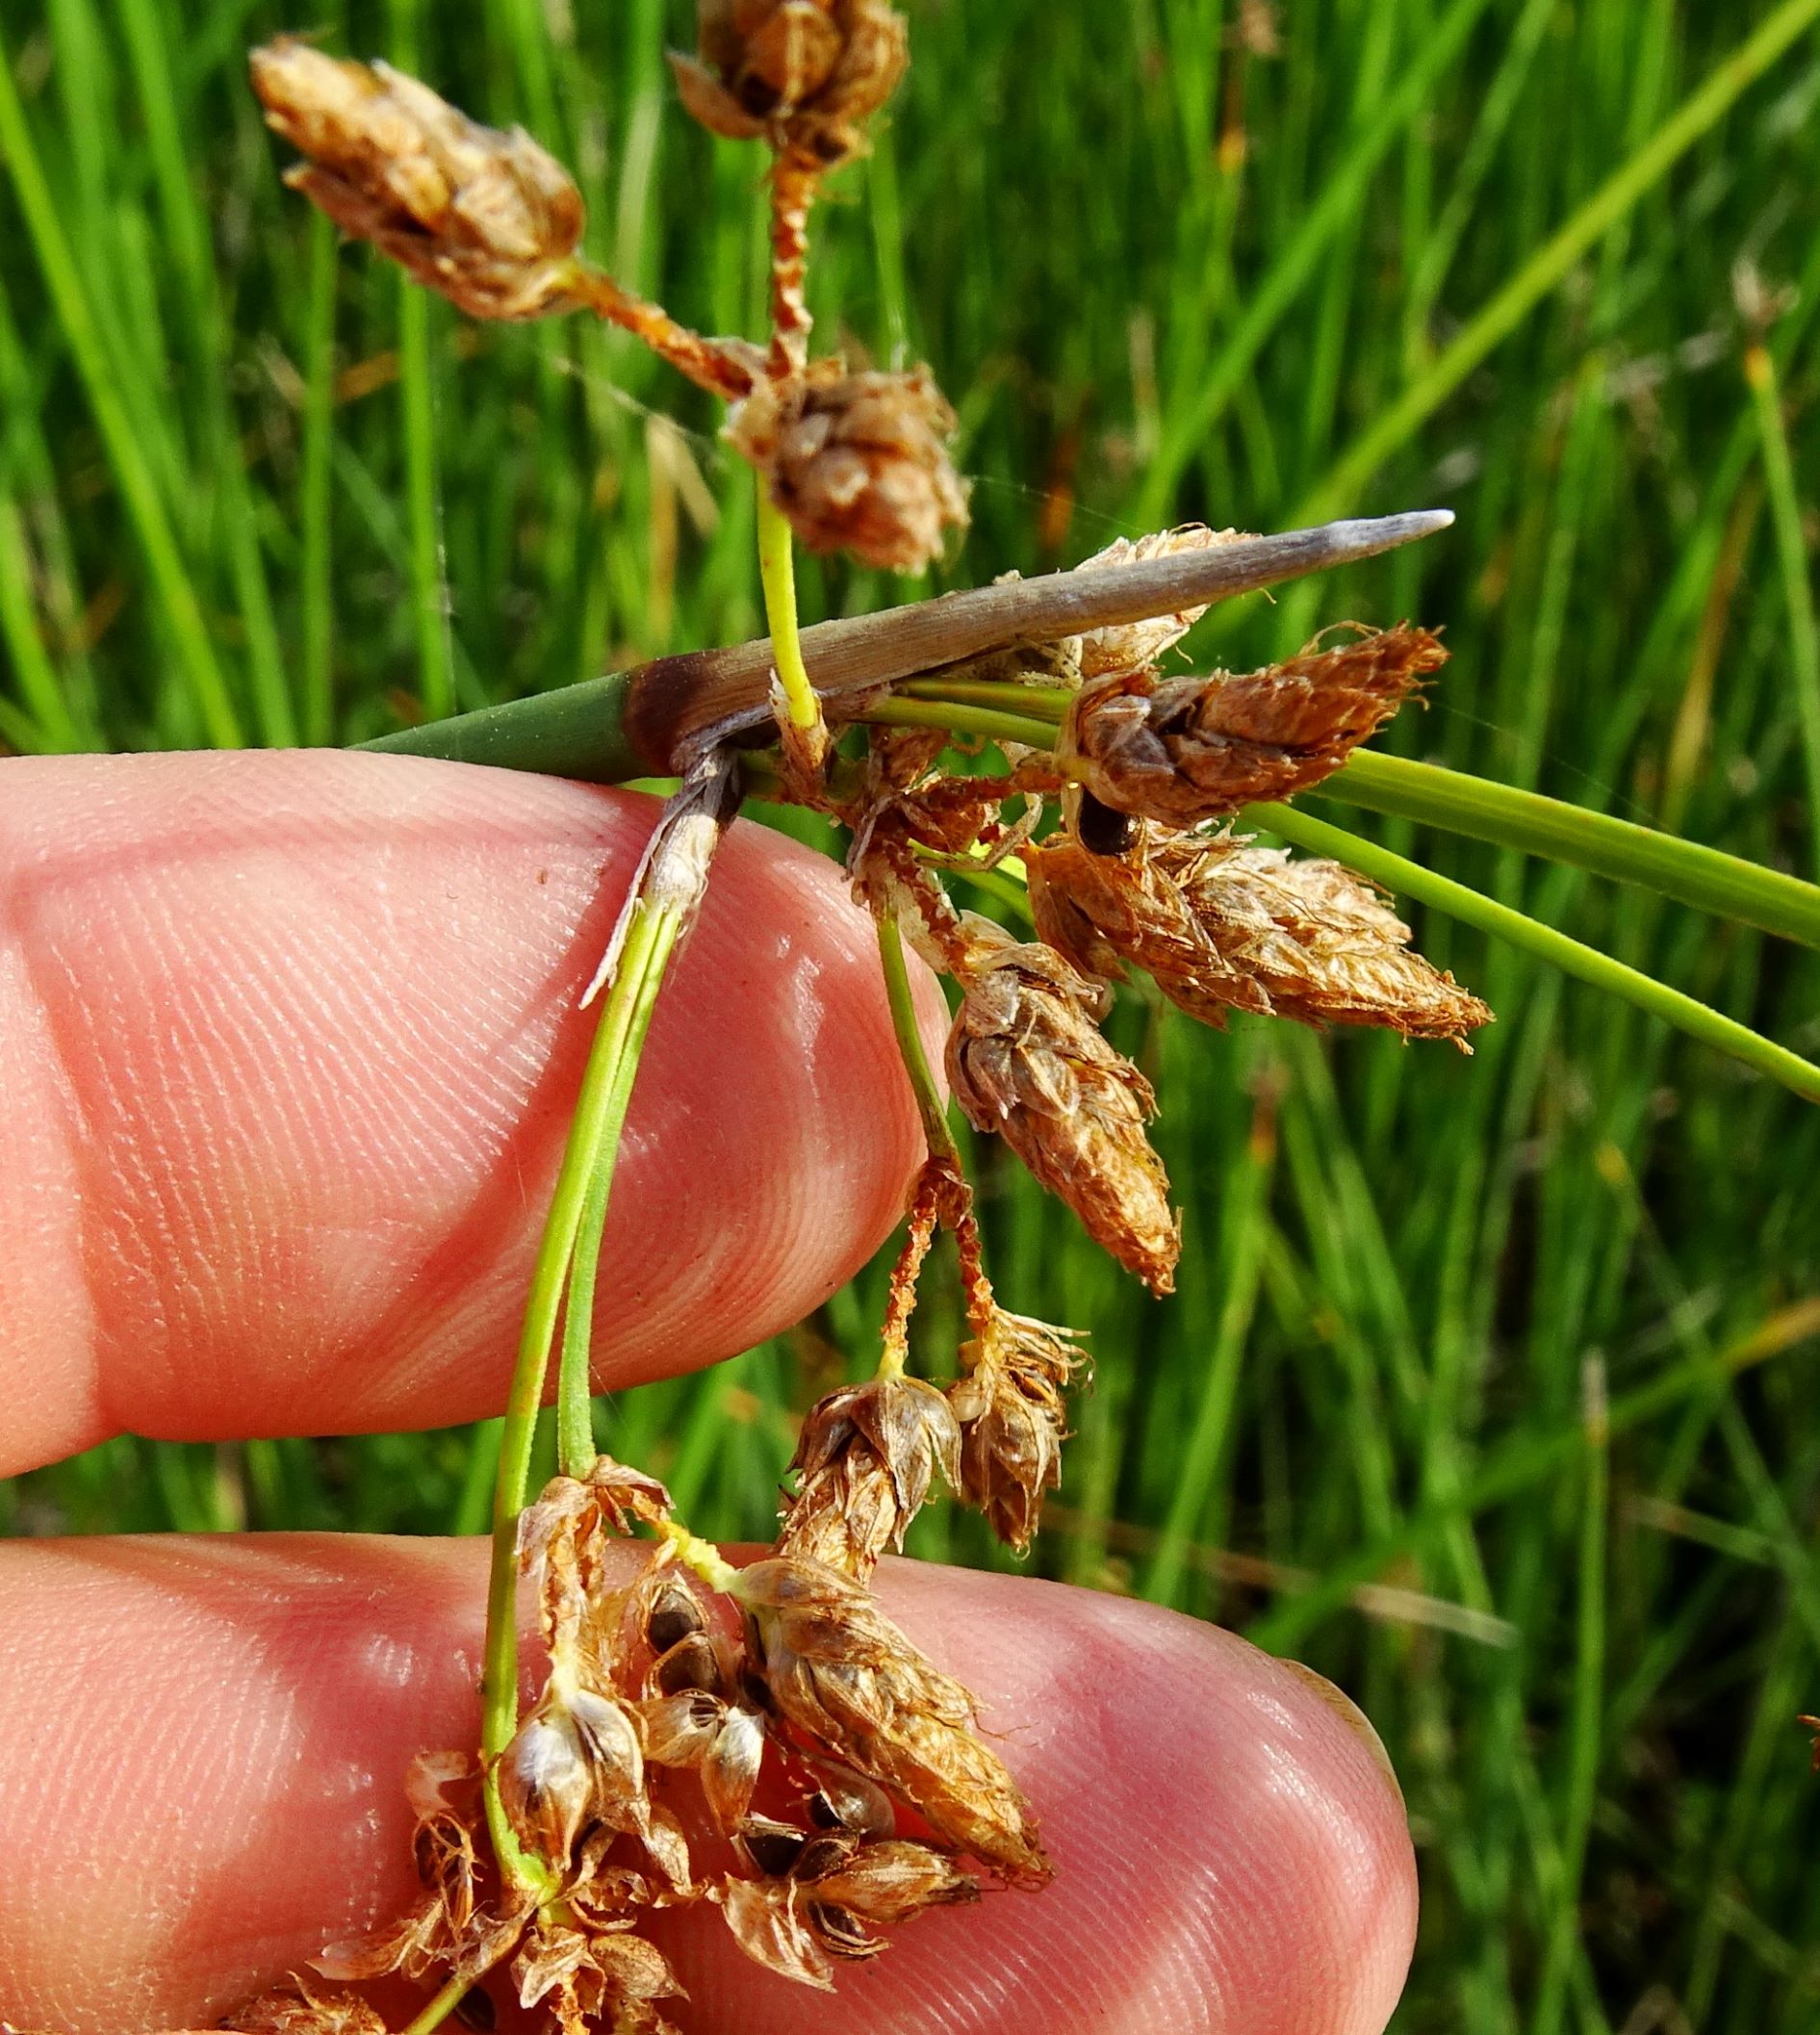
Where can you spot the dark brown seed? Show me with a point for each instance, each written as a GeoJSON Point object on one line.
{"type": "Point", "coordinates": [691, 1662]}
{"type": "Point", "coordinates": [672, 1618]}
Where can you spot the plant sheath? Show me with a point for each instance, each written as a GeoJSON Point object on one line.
{"type": "Point", "coordinates": [599, 1112]}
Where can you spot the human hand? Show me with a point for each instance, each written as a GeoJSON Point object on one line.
{"type": "Point", "coordinates": [287, 1044]}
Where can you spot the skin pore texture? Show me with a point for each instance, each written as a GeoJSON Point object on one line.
{"type": "Point", "coordinates": [289, 1044]}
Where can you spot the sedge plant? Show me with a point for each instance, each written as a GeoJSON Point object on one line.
{"type": "Point", "coordinates": [1044, 730]}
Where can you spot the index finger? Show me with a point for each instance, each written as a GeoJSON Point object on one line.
{"type": "Point", "coordinates": [289, 1044]}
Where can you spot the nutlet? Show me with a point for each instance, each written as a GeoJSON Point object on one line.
{"type": "Point", "coordinates": [857, 459]}
{"type": "Point", "coordinates": [1026, 1059]}
{"type": "Point", "coordinates": [1186, 750]}
{"type": "Point", "coordinates": [485, 217]}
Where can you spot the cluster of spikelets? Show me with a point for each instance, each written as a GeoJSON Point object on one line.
{"type": "Point", "coordinates": [856, 458]}
{"type": "Point", "coordinates": [1145, 873]}
{"type": "Point", "coordinates": [746, 1748]}
{"type": "Point", "coordinates": [764, 1740]}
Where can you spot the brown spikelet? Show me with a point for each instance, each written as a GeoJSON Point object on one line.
{"type": "Point", "coordinates": [851, 1682]}
{"type": "Point", "coordinates": [1013, 1419]}
{"type": "Point", "coordinates": [444, 1790]}
{"type": "Point", "coordinates": [1219, 925]}
{"type": "Point", "coordinates": [485, 217]}
{"type": "Point", "coordinates": [857, 460]}
{"type": "Point", "coordinates": [1186, 750]}
{"type": "Point", "coordinates": [590, 1979]}
{"type": "Point", "coordinates": [806, 75]}
{"type": "Point", "coordinates": [866, 1457]}
{"type": "Point", "coordinates": [1026, 1059]}
{"type": "Point", "coordinates": [803, 74]}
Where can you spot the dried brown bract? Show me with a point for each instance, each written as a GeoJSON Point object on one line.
{"type": "Point", "coordinates": [485, 217]}
{"type": "Point", "coordinates": [1026, 1059]}
{"type": "Point", "coordinates": [295, 2010]}
{"type": "Point", "coordinates": [823, 1896]}
{"type": "Point", "coordinates": [857, 460]}
{"type": "Point", "coordinates": [443, 1790]}
{"type": "Point", "coordinates": [1186, 750]}
{"type": "Point", "coordinates": [587, 1979]}
{"type": "Point", "coordinates": [846, 1678]}
{"type": "Point", "coordinates": [1220, 925]}
{"type": "Point", "coordinates": [801, 74]}
{"type": "Point", "coordinates": [866, 1457]}
{"type": "Point", "coordinates": [1013, 1417]}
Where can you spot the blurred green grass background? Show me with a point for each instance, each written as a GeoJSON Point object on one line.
{"type": "Point", "coordinates": [1489, 1388]}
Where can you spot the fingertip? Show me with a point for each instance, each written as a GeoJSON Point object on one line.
{"type": "Point", "coordinates": [313, 1020]}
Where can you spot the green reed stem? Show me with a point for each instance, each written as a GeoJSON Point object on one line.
{"type": "Point", "coordinates": [776, 575]}
{"type": "Point", "coordinates": [986, 721]}
{"type": "Point", "coordinates": [648, 946]}
{"type": "Point", "coordinates": [910, 1043]}
{"type": "Point", "coordinates": [1529, 936]}
{"type": "Point", "coordinates": [139, 490]}
{"type": "Point", "coordinates": [1483, 809]}
{"type": "Point", "coordinates": [444, 2004]}
{"type": "Point", "coordinates": [1791, 549]}
{"type": "Point", "coordinates": [626, 1022]}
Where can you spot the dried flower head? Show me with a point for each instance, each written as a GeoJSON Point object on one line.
{"type": "Point", "coordinates": [821, 1897]}
{"type": "Point", "coordinates": [722, 1742]}
{"type": "Point", "coordinates": [577, 1759]}
{"type": "Point", "coordinates": [846, 1678]}
{"type": "Point", "coordinates": [866, 1456]}
{"type": "Point", "coordinates": [590, 1977]}
{"type": "Point", "coordinates": [803, 74]}
{"type": "Point", "coordinates": [1186, 750]}
{"type": "Point", "coordinates": [444, 1790]}
{"type": "Point", "coordinates": [857, 460]}
{"type": "Point", "coordinates": [1220, 925]}
{"type": "Point", "coordinates": [487, 218]}
{"type": "Point", "coordinates": [1012, 1418]}
{"type": "Point", "coordinates": [1026, 1059]}
{"type": "Point", "coordinates": [295, 2010]}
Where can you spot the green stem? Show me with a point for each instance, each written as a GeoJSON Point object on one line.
{"type": "Point", "coordinates": [587, 1135]}
{"type": "Point", "coordinates": [1791, 547]}
{"type": "Point", "coordinates": [1483, 809]}
{"type": "Point", "coordinates": [986, 721]}
{"type": "Point", "coordinates": [438, 2009]}
{"type": "Point", "coordinates": [318, 431]}
{"type": "Point", "coordinates": [624, 1023]}
{"type": "Point", "coordinates": [1530, 936]}
{"type": "Point", "coordinates": [776, 575]}
{"type": "Point", "coordinates": [910, 1041]}
{"type": "Point", "coordinates": [1042, 703]}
